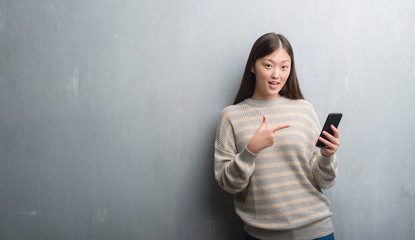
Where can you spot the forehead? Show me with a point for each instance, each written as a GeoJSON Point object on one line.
{"type": "Point", "coordinates": [279, 55]}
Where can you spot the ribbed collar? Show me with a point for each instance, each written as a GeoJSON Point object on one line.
{"type": "Point", "coordinates": [266, 103]}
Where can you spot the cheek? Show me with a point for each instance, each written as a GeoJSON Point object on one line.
{"type": "Point", "coordinates": [286, 76]}
{"type": "Point", "coordinates": [260, 76]}
{"type": "Point", "coordinates": [263, 76]}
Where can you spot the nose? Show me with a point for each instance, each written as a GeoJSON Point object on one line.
{"type": "Point", "coordinates": [275, 73]}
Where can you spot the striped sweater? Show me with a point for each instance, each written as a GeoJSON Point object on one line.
{"type": "Point", "coordinates": [277, 193]}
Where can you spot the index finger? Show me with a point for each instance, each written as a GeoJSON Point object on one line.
{"type": "Point", "coordinates": [280, 127]}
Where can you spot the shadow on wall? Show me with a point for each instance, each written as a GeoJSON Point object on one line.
{"type": "Point", "coordinates": [209, 210]}
{"type": "Point", "coordinates": [228, 225]}
{"type": "Point", "coordinates": [220, 203]}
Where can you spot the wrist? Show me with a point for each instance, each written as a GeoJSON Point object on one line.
{"type": "Point", "coordinates": [322, 154]}
{"type": "Point", "coordinates": [325, 154]}
{"type": "Point", "coordinates": [252, 149]}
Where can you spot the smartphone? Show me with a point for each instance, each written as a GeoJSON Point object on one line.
{"type": "Point", "coordinates": [332, 119]}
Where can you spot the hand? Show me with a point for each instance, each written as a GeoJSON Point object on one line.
{"type": "Point", "coordinates": [332, 145]}
{"type": "Point", "coordinates": [264, 137]}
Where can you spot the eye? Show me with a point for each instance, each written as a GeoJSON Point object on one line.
{"type": "Point", "coordinates": [268, 65]}
{"type": "Point", "coordinates": [285, 67]}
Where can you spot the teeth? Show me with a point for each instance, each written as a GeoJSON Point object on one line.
{"type": "Point", "coordinates": [273, 83]}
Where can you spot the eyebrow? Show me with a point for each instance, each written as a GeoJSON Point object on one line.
{"type": "Point", "coordinates": [285, 60]}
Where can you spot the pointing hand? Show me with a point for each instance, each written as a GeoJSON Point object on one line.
{"type": "Point", "coordinates": [264, 137]}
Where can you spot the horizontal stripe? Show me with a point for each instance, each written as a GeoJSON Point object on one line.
{"type": "Point", "coordinates": [285, 225]}
{"type": "Point", "coordinates": [250, 129]}
{"type": "Point", "coordinates": [274, 164]}
{"type": "Point", "coordinates": [280, 175]}
{"type": "Point", "coordinates": [284, 204]}
{"type": "Point", "coordinates": [280, 134]}
{"type": "Point", "coordinates": [283, 153]}
{"type": "Point", "coordinates": [281, 194]}
{"type": "Point", "coordinates": [297, 158]}
{"type": "Point", "coordinates": [279, 185]}
{"type": "Point", "coordinates": [285, 214]}
{"type": "Point", "coordinates": [245, 109]}
{"type": "Point", "coordinates": [272, 119]}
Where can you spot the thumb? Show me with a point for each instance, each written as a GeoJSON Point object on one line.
{"type": "Point", "coordinates": [264, 121]}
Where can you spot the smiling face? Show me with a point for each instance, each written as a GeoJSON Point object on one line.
{"type": "Point", "coordinates": [271, 73]}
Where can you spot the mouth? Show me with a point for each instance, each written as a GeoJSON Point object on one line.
{"type": "Point", "coordinates": [273, 84]}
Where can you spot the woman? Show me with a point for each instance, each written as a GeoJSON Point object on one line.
{"type": "Point", "coordinates": [265, 151]}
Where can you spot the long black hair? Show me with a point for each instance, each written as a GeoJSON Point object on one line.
{"type": "Point", "coordinates": [265, 45]}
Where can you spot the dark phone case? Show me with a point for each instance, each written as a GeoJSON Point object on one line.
{"type": "Point", "coordinates": [332, 119]}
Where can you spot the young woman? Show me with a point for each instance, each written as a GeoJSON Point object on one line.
{"type": "Point", "coordinates": [265, 151]}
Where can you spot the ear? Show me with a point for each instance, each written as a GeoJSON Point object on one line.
{"type": "Point", "coordinates": [253, 70]}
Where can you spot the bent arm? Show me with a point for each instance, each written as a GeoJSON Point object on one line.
{"type": "Point", "coordinates": [324, 168]}
{"type": "Point", "coordinates": [233, 171]}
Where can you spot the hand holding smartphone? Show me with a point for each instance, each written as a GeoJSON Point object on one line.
{"type": "Point", "coordinates": [332, 119]}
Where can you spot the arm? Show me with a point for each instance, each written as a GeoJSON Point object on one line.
{"type": "Point", "coordinates": [324, 163]}
{"type": "Point", "coordinates": [232, 169]}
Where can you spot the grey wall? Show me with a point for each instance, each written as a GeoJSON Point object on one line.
{"type": "Point", "coordinates": [108, 112]}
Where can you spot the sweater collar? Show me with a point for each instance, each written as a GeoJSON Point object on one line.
{"type": "Point", "coordinates": [265, 103]}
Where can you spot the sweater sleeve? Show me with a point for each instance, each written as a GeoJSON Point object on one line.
{"type": "Point", "coordinates": [324, 170]}
{"type": "Point", "coordinates": [233, 169]}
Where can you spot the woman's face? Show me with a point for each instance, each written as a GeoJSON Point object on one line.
{"type": "Point", "coordinates": [271, 73]}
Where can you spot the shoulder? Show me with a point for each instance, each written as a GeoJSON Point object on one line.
{"type": "Point", "coordinates": [304, 107]}
{"type": "Point", "coordinates": [233, 109]}
{"type": "Point", "coordinates": [301, 104]}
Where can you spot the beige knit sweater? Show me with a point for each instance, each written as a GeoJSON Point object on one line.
{"type": "Point", "coordinates": [278, 191]}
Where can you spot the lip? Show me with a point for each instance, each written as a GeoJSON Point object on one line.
{"type": "Point", "coordinates": [273, 85]}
